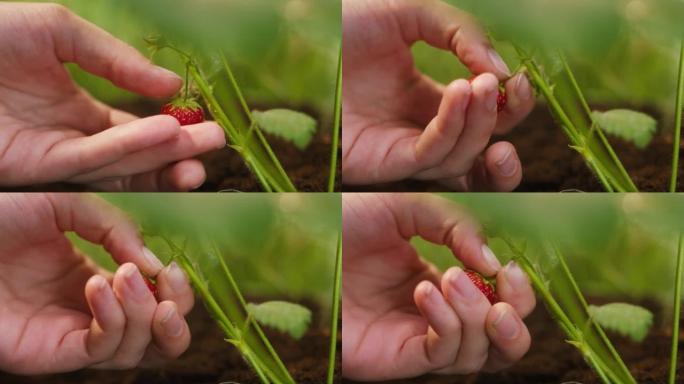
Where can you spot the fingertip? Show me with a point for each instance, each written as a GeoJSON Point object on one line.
{"type": "Point", "coordinates": [503, 322]}
{"type": "Point", "coordinates": [217, 136]}
{"type": "Point", "coordinates": [520, 95]}
{"type": "Point", "coordinates": [170, 330]}
{"type": "Point", "coordinates": [422, 292]}
{"type": "Point", "coordinates": [513, 287]}
{"type": "Point", "coordinates": [184, 176]}
{"type": "Point", "coordinates": [503, 166]}
{"type": "Point", "coordinates": [501, 68]}
{"type": "Point", "coordinates": [174, 285]}
{"type": "Point", "coordinates": [105, 309]}
{"type": "Point", "coordinates": [169, 82]}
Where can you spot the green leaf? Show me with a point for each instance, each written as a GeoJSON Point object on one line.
{"type": "Point", "coordinates": [626, 319]}
{"type": "Point", "coordinates": [295, 127]}
{"type": "Point", "coordinates": [629, 125]}
{"type": "Point", "coordinates": [290, 318]}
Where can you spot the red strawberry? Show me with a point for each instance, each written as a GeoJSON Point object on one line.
{"type": "Point", "coordinates": [484, 286]}
{"type": "Point", "coordinates": [187, 112]}
{"type": "Point", "coordinates": [501, 98]}
{"type": "Point", "coordinates": [151, 286]}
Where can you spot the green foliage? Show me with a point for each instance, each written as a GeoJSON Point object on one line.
{"type": "Point", "coordinates": [632, 126]}
{"type": "Point", "coordinates": [291, 318]}
{"type": "Point", "coordinates": [626, 319]}
{"type": "Point", "coordinates": [295, 127]}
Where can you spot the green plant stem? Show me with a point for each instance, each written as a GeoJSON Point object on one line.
{"type": "Point", "coordinates": [599, 132]}
{"type": "Point", "coordinates": [232, 330]}
{"type": "Point", "coordinates": [336, 127]}
{"type": "Point", "coordinates": [335, 312]}
{"type": "Point", "coordinates": [677, 309]}
{"type": "Point", "coordinates": [602, 160]}
{"type": "Point", "coordinates": [678, 120]}
{"type": "Point", "coordinates": [575, 335]}
{"type": "Point", "coordinates": [597, 327]}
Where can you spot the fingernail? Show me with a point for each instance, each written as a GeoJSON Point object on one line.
{"type": "Point", "coordinates": [177, 279]}
{"type": "Point", "coordinates": [506, 326]}
{"type": "Point", "coordinates": [100, 282]}
{"type": "Point", "coordinates": [516, 277]}
{"type": "Point", "coordinates": [426, 290]}
{"type": "Point", "coordinates": [490, 258]}
{"type": "Point", "coordinates": [490, 102]}
{"type": "Point", "coordinates": [465, 100]}
{"type": "Point", "coordinates": [522, 87]}
{"type": "Point", "coordinates": [134, 281]}
{"type": "Point", "coordinates": [163, 72]}
{"type": "Point", "coordinates": [498, 62]}
{"type": "Point", "coordinates": [463, 287]}
{"type": "Point", "coordinates": [152, 260]}
{"type": "Point", "coordinates": [508, 164]}
{"type": "Point", "coordinates": [172, 323]}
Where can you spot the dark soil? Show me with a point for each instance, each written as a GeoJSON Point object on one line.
{"type": "Point", "coordinates": [549, 165]}
{"type": "Point", "coordinates": [552, 361]}
{"type": "Point", "coordinates": [226, 171]}
{"type": "Point", "coordinates": [209, 360]}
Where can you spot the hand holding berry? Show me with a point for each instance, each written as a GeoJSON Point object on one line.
{"type": "Point", "coordinates": [399, 123]}
{"type": "Point", "coordinates": [402, 317]}
{"type": "Point", "coordinates": [52, 130]}
{"type": "Point", "coordinates": [61, 312]}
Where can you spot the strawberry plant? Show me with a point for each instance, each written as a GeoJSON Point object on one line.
{"type": "Point", "coordinates": [584, 324]}
{"type": "Point", "coordinates": [569, 70]}
{"type": "Point", "coordinates": [241, 321]}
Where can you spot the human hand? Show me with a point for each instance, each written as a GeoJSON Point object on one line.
{"type": "Point", "coordinates": [399, 123]}
{"type": "Point", "coordinates": [51, 130]}
{"type": "Point", "coordinates": [404, 318]}
{"type": "Point", "coordinates": [61, 312]}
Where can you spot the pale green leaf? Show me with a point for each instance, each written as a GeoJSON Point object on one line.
{"type": "Point", "coordinates": [626, 319]}
{"type": "Point", "coordinates": [295, 127]}
{"type": "Point", "coordinates": [290, 318]}
{"type": "Point", "coordinates": [633, 126]}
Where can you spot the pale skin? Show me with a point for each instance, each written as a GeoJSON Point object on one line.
{"type": "Point", "coordinates": [404, 318]}
{"type": "Point", "coordinates": [51, 130]}
{"type": "Point", "coordinates": [401, 124]}
{"type": "Point", "coordinates": [61, 312]}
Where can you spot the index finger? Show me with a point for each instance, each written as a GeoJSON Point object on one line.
{"type": "Point", "coordinates": [445, 27]}
{"type": "Point", "coordinates": [442, 222]}
{"type": "Point", "coordinates": [98, 52]}
{"type": "Point", "coordinates": [101, 223]}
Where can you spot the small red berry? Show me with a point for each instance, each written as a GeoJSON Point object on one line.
{"type": "Point", "coordinates": [501, 98]}
{"type": "Point", "coordinates": [187, 112]}
{"type": "Point", "coordinates": [484, 286]}
{"type": "Point", "coordinates": [152, 287]}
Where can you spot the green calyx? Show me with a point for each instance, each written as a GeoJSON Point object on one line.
{"type": "Point", "coordinates": [185, 104]}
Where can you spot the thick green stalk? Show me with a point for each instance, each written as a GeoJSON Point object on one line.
{"type": "Point", "coordinates": [335, 313]}
{"type": "Point", "coordinates": [597, 152]}
{"type": "Point", "coordinates": [678, 121]}
{"type": "Point", "coordinates": [604, 338]}
{"type": "Point", "coordinates": [677, 309]}
{"type": "Point", "coordinates": [336, 127]}
{"type": "Point", "coordinates": [575, 335]}
{"type": "Point", "coordinates": [273, 373]}
{"type": "Point", "coordinates": [598, 132]}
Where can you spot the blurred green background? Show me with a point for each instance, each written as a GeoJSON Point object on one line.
{"type": "Point", "coordinates": [283, 52]}
{"type": "Point", "coordinates": [624, 52]}
{"type": "Point", "coordinates": [277, 246]}
{"type": "Point", "coordinates": [618, 246]}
